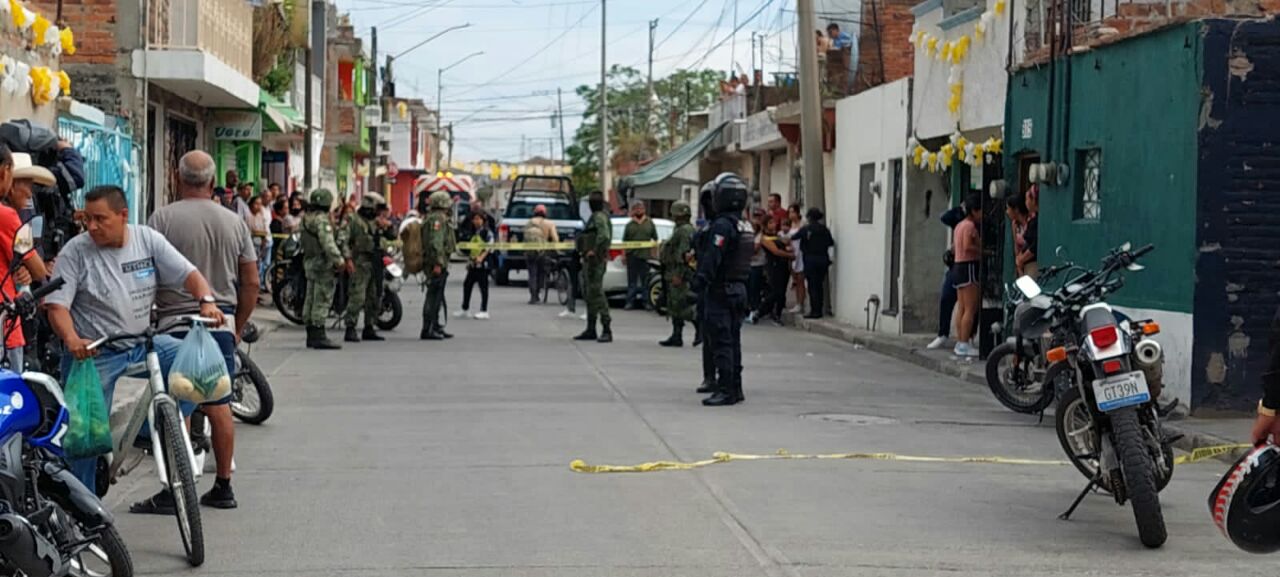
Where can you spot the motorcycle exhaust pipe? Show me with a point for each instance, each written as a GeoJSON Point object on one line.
{"type": "Point", "coordinates": [25, 550]}
{"type": "Point", "coordinates": [1148, 353]}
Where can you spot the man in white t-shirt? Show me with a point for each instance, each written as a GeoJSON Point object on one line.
{"type": "Point", "coordinates": [112, 273]}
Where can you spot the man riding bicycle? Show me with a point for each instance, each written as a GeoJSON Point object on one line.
{"type": "Point", "coordinates": [112, 273]}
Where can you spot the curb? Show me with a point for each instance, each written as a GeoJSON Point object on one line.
{"type": "Point", "coordinates": [975, 373]}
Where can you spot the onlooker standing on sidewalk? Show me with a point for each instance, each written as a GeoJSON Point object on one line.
{"type": "Point", "coordinates": [538, 230]}
{"type": "Point", "coordinates": [639, 229]}
{"type": "Point", "coordinates": [947, 296]}
{"type": "Point", "coordinates": [815, 248]}
{"type": "Point", "coordinates": [778, 258]}
{"type": "Point", "coordinates": [1031, 233]}
{"type": "Point", "coordinates": [777, 213]}
{"type": "Point", "coordinates": [478, 268]}
{"type": "Point", "coordinates": [220, 245]}
{"type": "Point", "coordinates": [111, 274]}
{"type": "Point", "coordinates": [755, 282]}
{"type": "Point", "coordinates": [245, 194]}
{"type": "Point", "coordinates": [260, 228]}
{"type": "Point", "coordinates": [964, 275]}
{"type": "Point", "coordinates": [293, 222]}
{"type": "Point", "coordinates": [17, 176]}
{"type": "Point", "coordinates": [797, 265]}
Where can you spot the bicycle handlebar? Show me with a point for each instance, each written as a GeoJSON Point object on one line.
{"type": "Point", "coordinates": [150, 333]}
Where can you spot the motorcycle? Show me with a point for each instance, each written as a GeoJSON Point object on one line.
{"type": "Point", "coordinates": [1016, 368]}
{"type": "Point", "coordinates": [656, 285]}
{"type": "Point", "coordinates": [290, 290]}
{"type": "Point", "coordinates": [1108, 422]}
{"type": "Point", "coordinates": [51, 525]}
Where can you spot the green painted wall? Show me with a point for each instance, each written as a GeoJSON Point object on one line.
{"type": "Point", "coordinates": [1139, 101]}
{"type": "Point", "coordinates": [344, 170]}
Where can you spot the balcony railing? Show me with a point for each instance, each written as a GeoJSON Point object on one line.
{"type": "Point", "coordinates": [1094, 21]}
{"type": "Point", "coordinates": [223, 28]}
{"type": "Point", "coordinates": [730, 108]}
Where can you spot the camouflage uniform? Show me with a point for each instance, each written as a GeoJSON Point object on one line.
{"type": "Point", "coordinates": [320, 257]}
{"type": "Point", "coordinates": [439, 240]}
{"type": "Point", "coordinates": [675, 267]}
{"type": "Point", "coordinates": [363, 251]}
{"type": "Point", "coordinates": [593, 245]}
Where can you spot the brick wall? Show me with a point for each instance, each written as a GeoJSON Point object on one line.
{"type": "Point", "coordinates": [100, 67]}
{"type": "Point", "coordinates": [884, 50]}
{"type": "Point", "coordinates": [1238, 265]}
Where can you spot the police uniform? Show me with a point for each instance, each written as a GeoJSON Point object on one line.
{"type": "Point", "coordinates": [364, 252]}
{"type": "Point", "coordinates": [677, 274]}
{"type": "Point", "coordinates": [700, 293]}
{"type": "Point", "coordinates": [439, 240]}
{"type": "Point", "coordinates": [722, 273]}
{"type": "Point", "coordinates": [320, 259]}
{"type": "Point", "coordinates": [593, 244]}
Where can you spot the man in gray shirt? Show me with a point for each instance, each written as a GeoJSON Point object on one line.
{"type": "Point", "coordinates": [218, 243]}
{"type": "Point", "coordinates": [112, 273]}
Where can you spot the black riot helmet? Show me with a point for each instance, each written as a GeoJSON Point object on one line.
{"type": "Point", "coordinates": [1245, 504]}
{"type": "Point", "coordinates": [730, 193]}
{"type": "Point", "coordinates": [596, 201]}
{"type": "Point", "coordinates": [706, 200]}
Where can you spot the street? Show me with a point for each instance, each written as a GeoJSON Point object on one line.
{"type": "Point", "coordinates": [452, 458]}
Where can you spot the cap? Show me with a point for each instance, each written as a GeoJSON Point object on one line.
{"type": "Point", "coordinates": [540, 210]}
{"type": "Point", "coordinates": [23, 169]}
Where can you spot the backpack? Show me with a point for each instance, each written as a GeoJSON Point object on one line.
{"type": "Point", "coordinates": [411, 247]}
{"type": "Point", "coordinates": [533, 232]}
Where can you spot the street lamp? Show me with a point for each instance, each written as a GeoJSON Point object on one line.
{"type": "Point", "coordinates": [440, 104]}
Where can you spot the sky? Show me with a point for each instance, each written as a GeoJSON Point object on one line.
{"type": "Point", "coordinates": [501, 102]}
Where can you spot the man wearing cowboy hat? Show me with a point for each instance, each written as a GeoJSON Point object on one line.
{"type": "Point", "coordinates": [18, 176]}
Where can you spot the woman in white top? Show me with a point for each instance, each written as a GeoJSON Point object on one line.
{"type": "Point", "coordinates": [794, 222]}
{"type": "Point", "coordinates": [259, 221]}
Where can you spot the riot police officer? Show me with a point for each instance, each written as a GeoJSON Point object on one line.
{"type": "Point", "coordinates": [321, 260]}
{"type": "Point", "coordinates": [364, 251]}
{"type": "Point", "coordinates": [722, 273]}
{"type": "Point", "coordinates": [699, 324]}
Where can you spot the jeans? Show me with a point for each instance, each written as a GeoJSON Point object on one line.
{"type": "Point", "coordinates": [815, 277]}
{"type": "Point", "coordinates": [946, 305]}
{"type": "Point", "coordinates": [15, 358]}
{"type": "Point", "coordinates": [476, 276]}
{"type": "Point", "coordinates": [755, 288]}
{"type": "Point", "coordinates": [637, 274]}
{"type": "Point", "coordinates": [111, 365]}
{"type": "Point", "coordinates": [264, 261]}
{"type": "Point", "coordinates": [536, 264]}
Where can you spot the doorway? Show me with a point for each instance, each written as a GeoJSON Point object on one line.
{"type": "Point", "coordinates": [181, 140]}
{"type": "Point", "coordinates": [895, 237]}
{"type": "Point", "coordinates": [992, 264]}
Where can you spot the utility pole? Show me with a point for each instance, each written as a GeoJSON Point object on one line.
{"type": "Point", "coordinates": [450, 165]}
{"type": "Point", "coordinates": [371, 178]}
{"type": "Point", "coordinates": [604, 104]}
{"type": "Point", "coordinates": [523, 156]}
{"type": "Point", "coordinates": [810, 109]}
{"type": "Point", "coordinates": [653, 27]}
{"type": "Point", "coordinates": [560, 115]}
{"type": "Point", "coordinates": [733, 42]}
{"type": "Point", "coordinates": [686, 110]}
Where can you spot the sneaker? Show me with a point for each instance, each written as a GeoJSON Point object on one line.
{"type": "Point", "coordinates": [937, 343]}
{"type": "Point", "coordinates": [962, 349]}
{"type": "Point", "coordinates": [565, 313]}
{"type": "Point", "coordinates": [751, 318]}
{"type": "Point", "coordinates": [482, 315]}
{"type": "Point", "coordinates": [220, 496]}
{"type": "Point", "coordinates": [971, 351]}
{"type": "Point", "coordinates": [460, 314]}
{"type": "Point", "coordinates": [795, 310]}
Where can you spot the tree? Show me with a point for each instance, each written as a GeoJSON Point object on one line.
{"type": "Point", "coordinates": [637, 131]}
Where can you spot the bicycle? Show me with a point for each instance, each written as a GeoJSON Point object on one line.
{"type": "Point", "coordinates": [170, 445]}
{"type": "Point", "coordinates": [552, 268]}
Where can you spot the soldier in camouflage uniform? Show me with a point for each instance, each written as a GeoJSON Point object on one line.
{"type": "Point", "coordinates": [677, 273]}
{"type": "Point", "coordinates": [593, 245]}
{"type": "Point", "coordinates": [321, 260]}
{"type": "Point", "coordinates": [364, 252]}
{"type": "Point", "coordinates": [439, 240]}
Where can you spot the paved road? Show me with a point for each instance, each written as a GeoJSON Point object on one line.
{"type": "Point", "coordinates": [451, 459]}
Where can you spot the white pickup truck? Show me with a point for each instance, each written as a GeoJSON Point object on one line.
{"type": "Point", "coordinates": [527, 192]}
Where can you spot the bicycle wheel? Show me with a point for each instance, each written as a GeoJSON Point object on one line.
{"type": "Point", "coordinates": [251, 398]}
{"type": "Point", "coordinates": [562, 286]}
{"type": "Point", "coordinates": [182, 483]}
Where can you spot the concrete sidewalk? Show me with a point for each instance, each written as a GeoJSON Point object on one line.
{"type": "Point", "coordinates": [1197, 433]}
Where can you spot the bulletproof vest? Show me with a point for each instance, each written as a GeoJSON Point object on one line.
{"type": "Point", "coordinates": [736, 266]}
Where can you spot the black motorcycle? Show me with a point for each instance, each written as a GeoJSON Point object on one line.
{"type": "Point", "coordinates": [656, 287]}
{"type": "Point", "coordinates": [1016, 368]}
{"type": "Point", "coordinates": [288, 283]}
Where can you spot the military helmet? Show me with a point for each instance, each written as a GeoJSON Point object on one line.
{"type": "Point", "coordinates": [440, 199]}
{"type": "Point", "coordinates": [681, 209]}
{"type": "Point", "coordinates": [321, 197]}
{"type": "Point", "coordinates": [372, 200]}
{"type": "Point", "coordinates": [730, 193]}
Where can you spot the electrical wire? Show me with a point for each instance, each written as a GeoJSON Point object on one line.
{"type": "Point", "coordinates": [535, 54]}
{"type": "Point", "coordinates": [740, 26]}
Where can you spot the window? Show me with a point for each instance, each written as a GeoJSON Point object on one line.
{"type": "Point", "coordinates": [345, 79]}
{"type": "Point", "coordinates": [866, 198]}
{"type": "Point", "coordinates": [1088, 184]}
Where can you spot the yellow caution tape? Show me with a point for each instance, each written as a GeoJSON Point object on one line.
{"type": "Point", "coordinates": [525, 246]}
{"type": "Point", "coordinates": [721, 457]}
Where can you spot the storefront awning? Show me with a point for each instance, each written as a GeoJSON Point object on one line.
{"type": "Point", "coordinates": [664, 167]}
{"type": "Point", "coordinates": [279, 117]}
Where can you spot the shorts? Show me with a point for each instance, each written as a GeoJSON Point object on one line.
{"type": "Point", "coordinates": [964, 274]}
{"type": "Point", "coordinates": [227, 342]}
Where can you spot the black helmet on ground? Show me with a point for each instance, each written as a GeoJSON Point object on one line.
{"type": "Point", "coordinates": [730, 193]}
{"type": "Point", "coordinates": [1245, 504]}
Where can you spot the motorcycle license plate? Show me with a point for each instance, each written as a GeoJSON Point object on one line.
{"type": "Point", "coordinates": [1121, 391]}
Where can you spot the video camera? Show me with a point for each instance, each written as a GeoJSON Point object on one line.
{"type": "Point", "coordinates": [52, 202]}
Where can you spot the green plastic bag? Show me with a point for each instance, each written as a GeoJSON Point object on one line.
{"type": "Point", "coordinates": [89, 431]}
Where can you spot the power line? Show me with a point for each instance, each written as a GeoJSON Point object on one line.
{"type": "Point", "coordinates": [391, 5]}
{"type": "Point", "coordinates": [536, 53]}
{"type": "Point", "coordinates": [740, 26]}
{"type": "Point", "coordinates": [680, 25]}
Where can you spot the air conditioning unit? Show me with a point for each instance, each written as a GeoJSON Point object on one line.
{"type": "Point", "coordinates": [384, 147]}
{"type": "Point", "coordinates": [877, 188]}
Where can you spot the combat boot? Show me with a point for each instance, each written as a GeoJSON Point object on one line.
{"type": "Point", "coordinates": [590, 333]}
{"type": "Point", "coordinates": [677, 335]}
{"type": "Point", "coordinates": [371, 334]}
{"type": "Point", "coordinates": [720, 399]}
{"type": "Point", "coordinates": [708, 386]}
{"type": "Point", "coordinates": [322, 341]}
{"type": "Point", "coordinates": [697, 333]}
{"type": "Point", "coordinates": [606, 334]}
{"type": "Point", "coordinates": [351, 335]}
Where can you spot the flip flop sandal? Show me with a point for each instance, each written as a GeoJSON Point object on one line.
{"type": "Point", "coordinates": [155, 505]}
